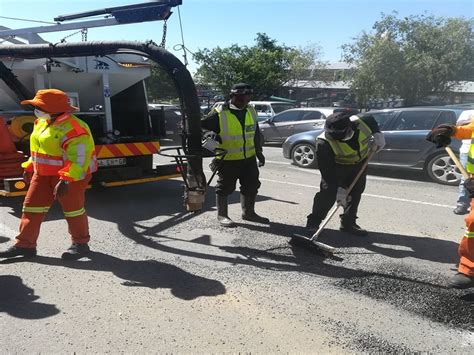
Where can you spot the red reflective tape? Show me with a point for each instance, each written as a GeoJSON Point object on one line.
{"type": "Point", "coordinates": [134, 149]}
{"type": "Point", "coordinates": [151, 147]}
{"type": "Point", "coordinates": [114, 150]}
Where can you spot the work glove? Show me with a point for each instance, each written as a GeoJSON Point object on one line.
{"type": "Point", "coordinates": [211, 140]}
{"type": "Point", "coordinates": [261, 159]}
{"type": "Point", "coordinates": [441, 135]}
{"type": "Point", "coordinates": [379, 141]}
{"type": "Point", "coordinates": [469, 185]}
{"type": "Point", "coordinates": [341, 196]}
{"type": "Point", "coordinates": [212, 135]}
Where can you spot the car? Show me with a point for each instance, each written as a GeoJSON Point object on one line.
{"type": "Point", "coordinates": [265, 109]}
{"type": "Point", "coordinates": [268, 109]}
{"type": "Point", "coordinates": [405, 131]}
{"type": "Point", "coordinates": [166, 122]}
{"type": "Point", "coordinates": [292, 121]}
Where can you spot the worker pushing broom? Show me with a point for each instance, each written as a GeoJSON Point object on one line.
{"type": "Point", "coordinates": [343, 151]}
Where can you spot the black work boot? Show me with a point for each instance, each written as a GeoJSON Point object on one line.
{"type": "Point", "coordinates": [17, 251]}
{"type": "Point", "coordinates": [353, 228]}
{"type": "Point", "coordinates": [248, 210]}
{"type": "Point", "coordinates": [76, 251]}
{"type": "Point", "coordinates": [222, 212]}
{"type": "Point", "coordinates": [461, 281]}
{"type": "Point", "coordinates": [460, 210]}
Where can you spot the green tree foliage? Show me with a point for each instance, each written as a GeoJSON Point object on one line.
{"type": "Point", "coordinates": [266, 65]}
{"type": "Point", "coordinates": [160, 86]}
{"type": "Point", "coordinates": [412, 58]}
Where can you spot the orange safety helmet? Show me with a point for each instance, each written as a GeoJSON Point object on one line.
{"type": "Point", "coordinates": [51, 101]}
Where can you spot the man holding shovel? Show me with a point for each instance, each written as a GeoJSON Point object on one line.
{"type": "Point", "coordinates": [341, 151]}
{"type": "Point", "coordinates": [441, 136]}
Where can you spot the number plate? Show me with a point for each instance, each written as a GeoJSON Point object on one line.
{"type": "Point", "coordinates": [112, 162]}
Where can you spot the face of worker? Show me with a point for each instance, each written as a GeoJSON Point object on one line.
{"type": "Point", "coordinates": [240, 100]}
{"type": "Point", "coordinates": [42, 114]}
{"type": "Point", "coordinates": [349, 135]}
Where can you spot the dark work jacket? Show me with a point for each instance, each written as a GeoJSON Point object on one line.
{"type": "Point", "coordinates": [332, 172]}
{"type": "Point", "coordinates": [211, 123]}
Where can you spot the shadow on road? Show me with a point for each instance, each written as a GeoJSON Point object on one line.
{"type": "Point", "coordinates": [140, 273]}
{"type": "Point", "coordinates": [19, 300]}
{"type": "Point", "coordinates": [4, 239]}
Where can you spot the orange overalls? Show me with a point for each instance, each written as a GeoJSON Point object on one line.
{"type": "Point", "coordinates": [63, 150]}
{"type": "Point", "coordinates": [466, 247]}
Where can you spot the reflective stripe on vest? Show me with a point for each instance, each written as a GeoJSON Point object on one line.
{"type": "Point", "coordinates": [64, 147]}
{"type": "Point", "coordinates": [470, 157]}
{"type": "Point", "coordinates": [239, 144]}
{"type": "Point", "coordinates": [343, 153]}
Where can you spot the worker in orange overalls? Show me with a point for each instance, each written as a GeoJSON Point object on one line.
{"type": "Point", "coordinates": [441, 136]}
{"type": "Point", "coordinates": [60, 166]}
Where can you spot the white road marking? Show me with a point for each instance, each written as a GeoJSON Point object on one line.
{"type": "Point", "coordinates": [316, 172]}
{"type": "Point", "coordinates": [365, 194]}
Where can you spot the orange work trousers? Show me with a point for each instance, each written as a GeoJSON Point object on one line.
{"type": "Point", "coordinates": [37, 202]}
{"type": "Point", "coordinates": [466, 248]}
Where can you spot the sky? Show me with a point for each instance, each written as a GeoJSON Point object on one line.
{"type": "Point", "coordinates": [211, 23]}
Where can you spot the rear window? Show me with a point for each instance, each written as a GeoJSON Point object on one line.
{"type": "Point", "coordinates": [447, 117]}
{"type": "Point", "coordinates": [416, 120]}
{"type": "Point", "coordinates": [281, 107]}
{"type": "Point", "coordinates": [382, 118]}
{"type": "Point", "coordinates": [311, 115]}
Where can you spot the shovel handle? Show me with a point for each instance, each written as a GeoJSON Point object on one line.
{"type": "Point", "coordinates": [457, 162]}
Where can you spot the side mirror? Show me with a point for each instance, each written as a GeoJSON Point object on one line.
{"type": "Point", "coordinates": [267, 120]}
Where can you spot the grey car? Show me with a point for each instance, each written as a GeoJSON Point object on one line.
{"type": "Point", "coordinates": [289, 122]}
{"type": "Point", "coordinates": [405, 130]}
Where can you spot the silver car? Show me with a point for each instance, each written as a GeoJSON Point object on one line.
{"type": "Point", "coordinates": [405, 130]}
{"type": "Point", "coordinates": [289, 122]}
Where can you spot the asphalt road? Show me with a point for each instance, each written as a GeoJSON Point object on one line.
{"type": "Point", "coordinates": [162, 280]}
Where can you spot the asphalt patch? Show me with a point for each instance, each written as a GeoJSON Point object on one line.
{"type": "Point", "coordinates": [453, 308]}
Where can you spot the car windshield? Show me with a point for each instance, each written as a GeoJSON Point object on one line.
{"type": "Point", "coordinates": [281, 107]}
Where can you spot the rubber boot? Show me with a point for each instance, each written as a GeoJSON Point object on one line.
{"type": "Point", "coordinates": [248, 210]}
{"type": "Point", "coordinates": [222, 214]}
{"type": "Point", "coordinates": [351, 227]}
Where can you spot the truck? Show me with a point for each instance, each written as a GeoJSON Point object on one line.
{"type": "Point", "coordinates": [107, 81]}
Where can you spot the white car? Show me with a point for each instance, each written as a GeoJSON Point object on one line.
{"type": "Point", "coordinates": [265, 109]}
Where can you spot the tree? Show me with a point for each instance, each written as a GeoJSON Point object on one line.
{"type": "Point", "coordinates": [160, 86]}
{"type": "Point", "coordinates": [412, 58]}
{"type": "Point", "coordinates": [266, 66]}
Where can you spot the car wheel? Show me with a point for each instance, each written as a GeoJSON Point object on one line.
{"type": "Point", "coordinates": [441, 169]}
{"type": "Point", "coordinates": [304, 155]}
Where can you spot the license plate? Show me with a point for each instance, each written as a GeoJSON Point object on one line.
{"type": "Point", "coordinates": [112, 162]}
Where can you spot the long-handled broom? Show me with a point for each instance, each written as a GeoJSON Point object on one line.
{"type": "Point", "coordinates": [301, 240]}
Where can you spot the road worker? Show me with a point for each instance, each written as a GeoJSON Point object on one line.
{"type": "Point", "coordinates": [341, 152]}
{"type": "Point", "coordinates": [235, 123]}
{"type": "Point", "coordinates": [441, 136]}
{"type": "Point", "coordinates": [59, 168]}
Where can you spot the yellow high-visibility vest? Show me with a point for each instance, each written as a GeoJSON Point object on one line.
{"type": "Point", "coordinates": [344, 154]}
{"type": "Point", "coordinates": [65, 148]}
{"type": "Point", "coordinates": [238, 142]}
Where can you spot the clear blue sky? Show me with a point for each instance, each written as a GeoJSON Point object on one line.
{"type": "Point", "coordinates": [211, 23]}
